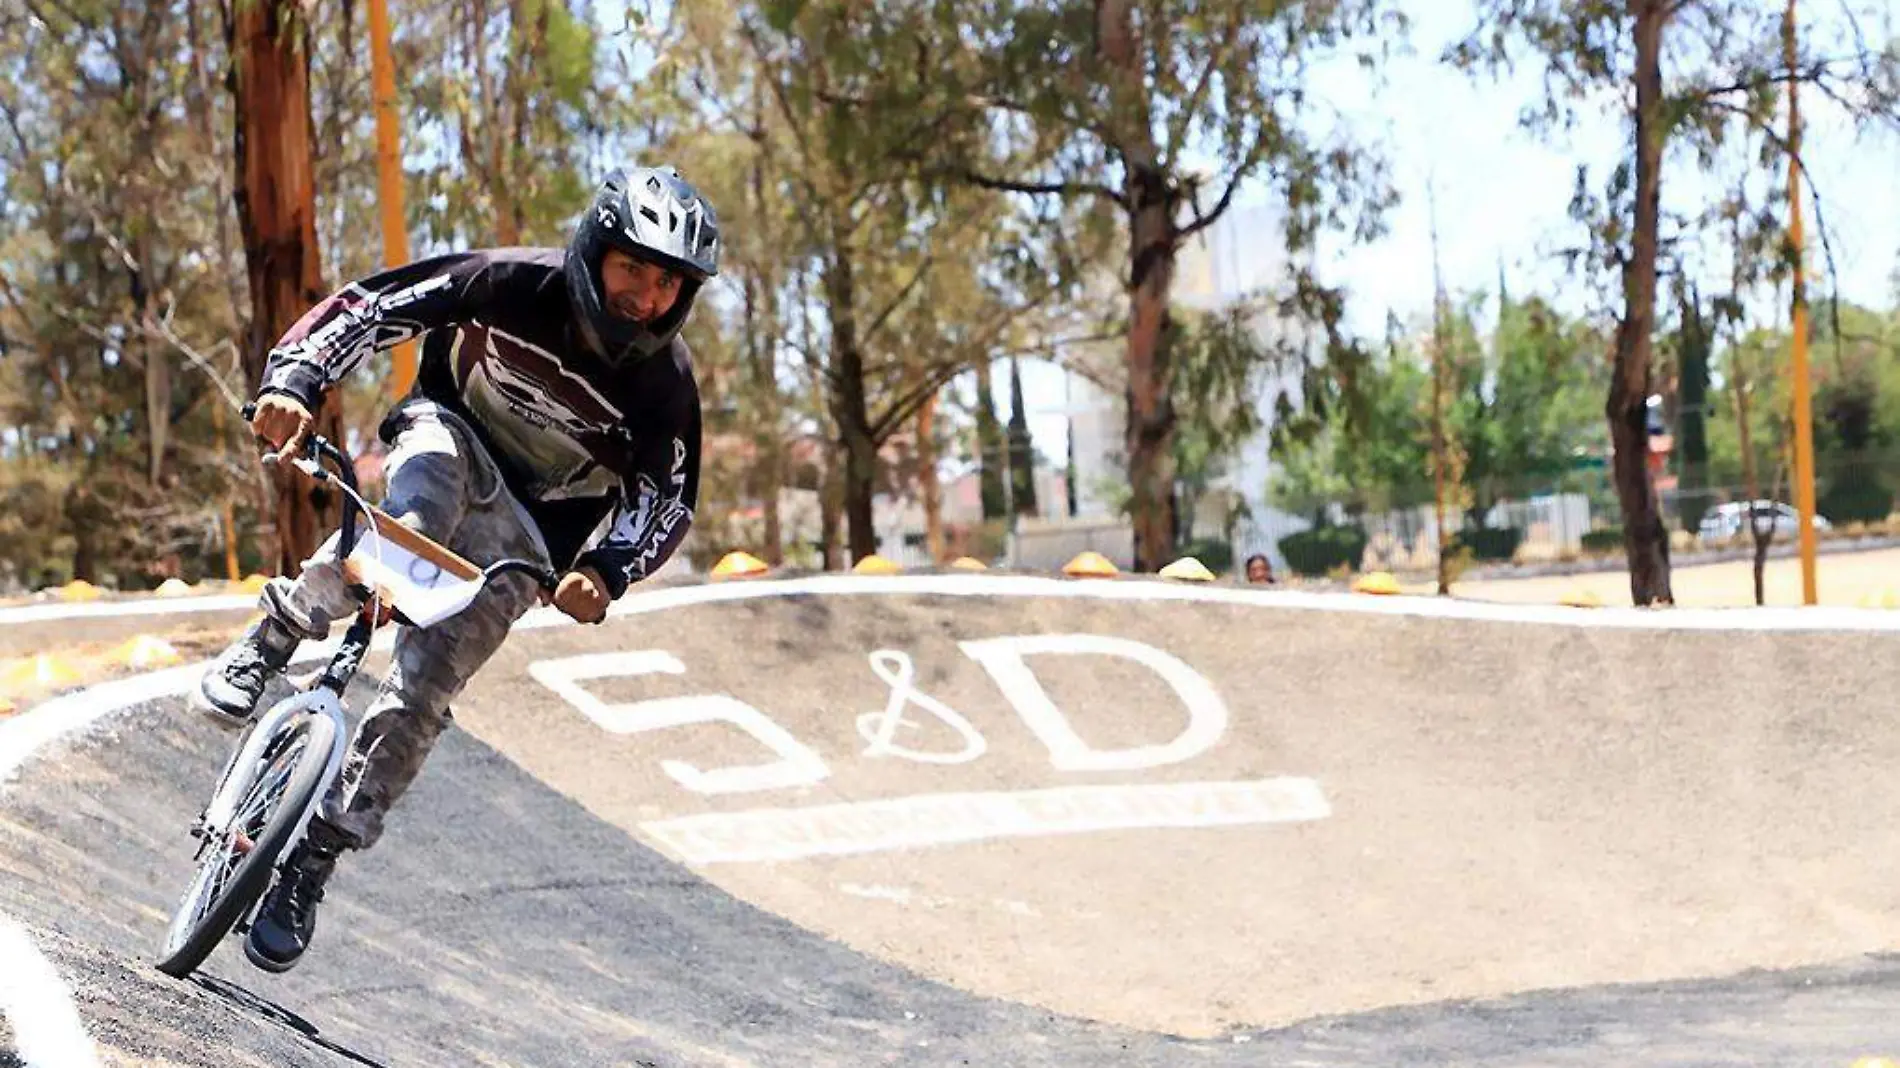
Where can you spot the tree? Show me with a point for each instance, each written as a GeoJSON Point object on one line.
{"type": "Point", "coordinates": [1022, 451]}
{"type": "Point", "coordinates": [1219, 359]}
{"type": "Point", "coordinates": [512, 86]}
{"type": "Point", "coordinates": [112, 301]}
{"type": "Point", "coordinates": [276, 200]}
{"type": "Point", "coordinates": [1107, 101]}
{"type": "Point", "coordinates": [992, 461]}
{"type": "Point", "coordinates": [1527, 399]}
{"type": "Point", "coordinates": [889, 252]}
{"type": "Point", "coordinates": [1726, 66]}
{"type": "Point", "coordinates": [1694, 347]}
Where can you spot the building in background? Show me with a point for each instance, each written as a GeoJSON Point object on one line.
{"type": "Point", "coordinates": [1243, 253]}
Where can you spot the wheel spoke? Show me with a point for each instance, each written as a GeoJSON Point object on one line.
{"type": "Point", "coordinates": [225, 849]}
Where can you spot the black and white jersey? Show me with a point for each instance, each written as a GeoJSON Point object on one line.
{"type": "Point", "coordinates": [578, 440]}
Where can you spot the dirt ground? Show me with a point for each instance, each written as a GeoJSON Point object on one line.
{"type": "Point", "coordinates": [1854, 580]}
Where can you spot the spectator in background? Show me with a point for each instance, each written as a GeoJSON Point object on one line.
{"type": "Point", "coordinates": [1260, 569]}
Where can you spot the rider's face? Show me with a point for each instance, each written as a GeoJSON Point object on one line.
{"type": "Point", "coordinates": [635, 290]}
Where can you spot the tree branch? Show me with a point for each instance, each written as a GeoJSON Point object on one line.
{"type": "Point", "coordinates": [907, 403]}
{"type": "Point", "coordinates": [878, 320]}
{"type": "Point", "coordinates": [1202, 222]}
{"type": "Point", "coordinates": [1184, 119]}
{"type": "Point", "coordinates": [1813, 74]}
{"type": "Point", "coordinates": [1820, 219]}
{"type": "Point", "coordinates": [1066, 189]}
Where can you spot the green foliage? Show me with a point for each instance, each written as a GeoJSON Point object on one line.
{"type": "Point", "coordinates": [1523, 403]}
{"type": "Point", "coordinates": [1855, 489]}
{"type": "Point", "coordinates": [1323, 549]}
{"type": "Point", "coordinates": [1529, 402]}
{"type": "Point", "coordinates": [1218, 360]}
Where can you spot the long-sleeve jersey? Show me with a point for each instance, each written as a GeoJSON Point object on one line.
{"type": "Point", "coordinates": [578, 441]}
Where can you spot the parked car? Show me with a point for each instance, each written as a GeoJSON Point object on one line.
{"type": "Point", "coordinates": [1731, 520]}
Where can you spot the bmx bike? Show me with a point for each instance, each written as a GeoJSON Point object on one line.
{"type": "Point", "coordinates": [287, 759]}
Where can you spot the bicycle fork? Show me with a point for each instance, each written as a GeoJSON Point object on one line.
{"type": "Point", "coordinates": [324, 699]}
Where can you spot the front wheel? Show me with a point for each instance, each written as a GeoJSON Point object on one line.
{"type": "Point", "coordinates": [235, 868]}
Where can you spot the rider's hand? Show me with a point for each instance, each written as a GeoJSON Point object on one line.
{"type": "Point", "coordinates": [282, 423]}
{"type": "Point", "coordinates": [582, 594]}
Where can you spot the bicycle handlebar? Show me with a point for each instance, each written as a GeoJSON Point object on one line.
{"type": "Point", "coordinates": [545, 577]}
{"type": "Point", "coordinates": [320, 448]}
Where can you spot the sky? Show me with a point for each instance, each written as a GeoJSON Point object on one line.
{"type": "Point", "coordinates": [1502, 194]}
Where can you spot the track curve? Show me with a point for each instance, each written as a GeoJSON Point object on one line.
{"type": "Point", "coordinates": [784, 827]}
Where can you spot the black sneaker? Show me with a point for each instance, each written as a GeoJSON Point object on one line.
{"type": "Point", "coordinates": [228, 693]}
{"type": "Point", "coordinates": [284, 926]}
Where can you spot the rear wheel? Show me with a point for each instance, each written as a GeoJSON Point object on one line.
{"type": "Point", "coordinates": [235, 868]}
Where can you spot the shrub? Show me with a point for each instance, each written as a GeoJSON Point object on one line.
{"type": "Point", "coordinates": [1489, 543]}
{"type": "Point", "coordinates": [1604, 540]}
{"type": "Point", "coordinates": [1851, 500]}
{"type": "Point", "coordinates": [1320, 550]}
{"type": "Point", "coordinates": [1214, 554]}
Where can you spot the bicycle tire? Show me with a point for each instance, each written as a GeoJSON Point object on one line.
{"type": "Point", "coordinates": [252, 874]}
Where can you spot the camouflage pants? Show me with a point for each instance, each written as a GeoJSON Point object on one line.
{"type": "Point", "coordinates": [443, 483]}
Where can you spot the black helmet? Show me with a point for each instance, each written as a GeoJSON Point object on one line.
{"type": "Point", "coordinates": [652, 214]}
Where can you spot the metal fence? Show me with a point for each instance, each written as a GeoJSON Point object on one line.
{"type": "Point", "coordinates": [1578, 516]}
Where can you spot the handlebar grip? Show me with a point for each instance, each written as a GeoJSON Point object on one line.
{"type": "Point", "coordinates": [547, 579]}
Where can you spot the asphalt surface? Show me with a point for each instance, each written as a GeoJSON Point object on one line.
{"type": "Point", "coordinates": [517, 913]}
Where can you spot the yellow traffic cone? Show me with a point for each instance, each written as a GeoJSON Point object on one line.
{"type": "Point", "coordinates": [145, 652]}
{"type": "Point", "coordinates": [1187, 569]}
{"type": "Point", "coordinates": [969, 563]}
{"type": "Point", "coordinates": [1376, 582]}
{"type": "Point", "coordinates": [252, 583]}
{"type": "Point", "coordinates": [875, 565]}
{"type": "Point", "coordinates": [79, 590]}
{"type": "Point", "coordinates": [739, 564]}
{"type": "Point", "coordinates": [1089, 564]}
{"type": "Point", "coordinates": [45, 671]}
{"type": "Point", "coordinates": [173, 587]}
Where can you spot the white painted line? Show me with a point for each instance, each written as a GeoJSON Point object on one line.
{"type": "Point", "coordinates": [1152, 590]}
{"type": "Point", "coordinates": [47, 1031]}
{"type": "Point", "coordinates": [944, 819]}
{"type": "Point", "coordinates": [22, 734]}
{"type": "Point", "coordinates": [47, 613]}
{"type": "Point", "coordinates": [27, 731]}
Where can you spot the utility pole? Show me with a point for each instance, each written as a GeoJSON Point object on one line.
{"type": "Point", "coordinates": [1803, 402]}
{"type": "Point", "coordinates": [402, 359]}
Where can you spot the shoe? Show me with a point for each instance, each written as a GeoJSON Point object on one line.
{"type": "Point", "coordinates": [288, 919]}
{"type": "Point", "coordinates": [228, 693]}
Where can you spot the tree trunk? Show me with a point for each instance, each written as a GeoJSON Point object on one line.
{"type": "Point", "coordinates": [1644, 539]}
{"type": "Point", "coordinates": [158, 366]}
{"type": "Point", "coordinates": [1696, 346]}
{"type": "Point", "coordinates": [829, 494]}
{"type": "Point", "coordinates": [849, 412]}
{"type": "Point", "coordinates": [276, 198]}
{"type": "Point", "coordinates": [927, 482]}
{"type": "Point", "coordinates": [1151, 203]}
{"type": "Point", "coordinates": [1150, 428]}
{"type": "Point", "coordinates": [1750, 486]}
